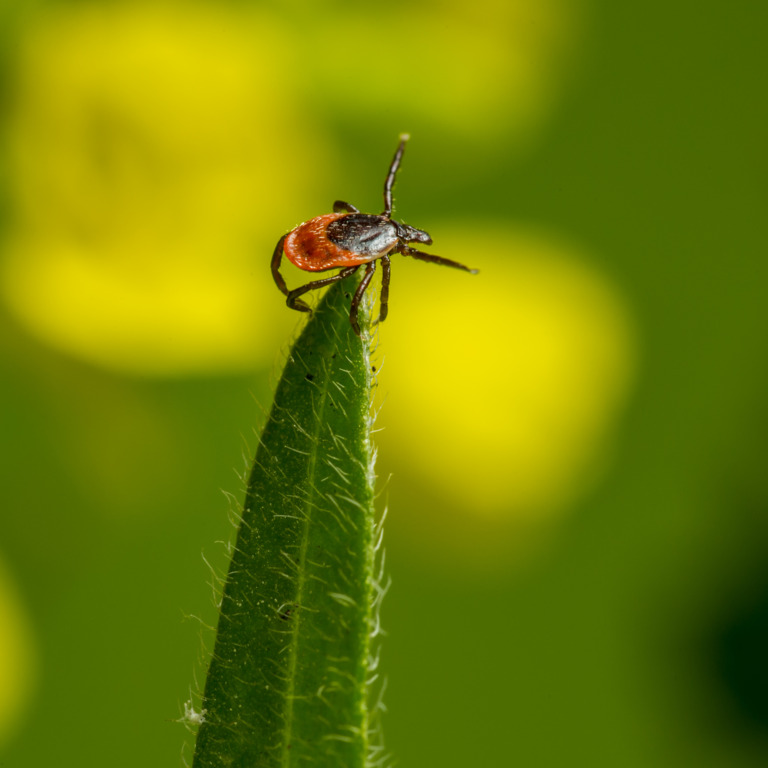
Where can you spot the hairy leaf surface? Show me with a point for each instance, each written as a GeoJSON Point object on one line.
{"type": "Point", "coordinates": [288, 681]}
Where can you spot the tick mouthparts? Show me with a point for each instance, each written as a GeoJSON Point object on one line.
{"type": "Point", "coordinates": [413, 235]}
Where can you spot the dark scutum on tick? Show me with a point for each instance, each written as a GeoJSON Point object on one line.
{"type": "Point", "coordinates": [360, 233]}
{"type": "Point", "coordinates": [348, 239]}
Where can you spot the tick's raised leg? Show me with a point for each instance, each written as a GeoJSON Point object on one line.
{"type": "Point", "coordinates": [386, 269]}
{"type": "Point", "coordinates": [294, 302]}
{"type": "Point", "coordinates": [357, 298]}
{"type": "Point", "coordinates": [277, 257]}
{"type": "Point", "coordinates": [389, 182]}
{"type": "Point", "coordinates": [430, 257]}
{"type": "Point", "coordinates": [341, 207]}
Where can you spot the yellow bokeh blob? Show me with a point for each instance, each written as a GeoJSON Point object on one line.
{"type": "Point", "coordinates": [18, 657]}
{"type": "Point", "coordinates": [155, 150]}
{"type": "Point", "coordinates": [475, 71]}
{"type": "Point", "coordinates": [502, 388]}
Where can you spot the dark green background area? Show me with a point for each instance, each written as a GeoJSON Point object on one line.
{"type": "Point", "coordinates": [639, 638]}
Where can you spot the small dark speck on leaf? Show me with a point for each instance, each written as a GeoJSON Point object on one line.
{"type": "Point", "coordinates": [309, 377]}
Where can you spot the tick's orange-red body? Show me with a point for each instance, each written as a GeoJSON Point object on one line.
{"type": "Point", "coordinates": [309, 248]}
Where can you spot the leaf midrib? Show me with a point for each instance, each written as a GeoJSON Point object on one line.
{"type": "Point", "coordinates": [288, 712]}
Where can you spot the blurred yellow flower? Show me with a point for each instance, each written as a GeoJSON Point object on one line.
{"type": "Point", "coordinates": [154, 149]}
{"type": "Point", "coordinates": [476, 71]}
{"type": "Point", "coordinates": [18, 657]}
{"type": "Point", "coordinates": [159, 149]}
{"type": "Point", "coordinates": [502, 388]}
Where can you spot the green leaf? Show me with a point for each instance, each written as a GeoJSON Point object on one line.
{"type": "Point", "coordinates": [289, 677]}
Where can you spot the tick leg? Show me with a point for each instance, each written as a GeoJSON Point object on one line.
{"type": "Point", "coordinates": [294, 302]}
{"type": "Point", "coordinates": [277, 257]}
{"type": "Point", "coordinates": [389, 182]}
{"type": "Point", "coordinates": [386, 269]}
{"type": "Point", "coordinates": [357, 298]}
{"type": "Point", "coordinates": [430, 257]}
{"type": "Point", "coordinates": [341, 207]}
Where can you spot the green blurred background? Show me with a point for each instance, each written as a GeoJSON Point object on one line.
{"type": "Point", "coordinates": [573, 444]}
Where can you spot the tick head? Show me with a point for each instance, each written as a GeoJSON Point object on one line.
{"type": "Point", "coordinates": [413, 235]}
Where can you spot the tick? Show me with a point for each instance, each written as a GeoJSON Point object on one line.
{"type": "Point", "coordinates": [348, 239]}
